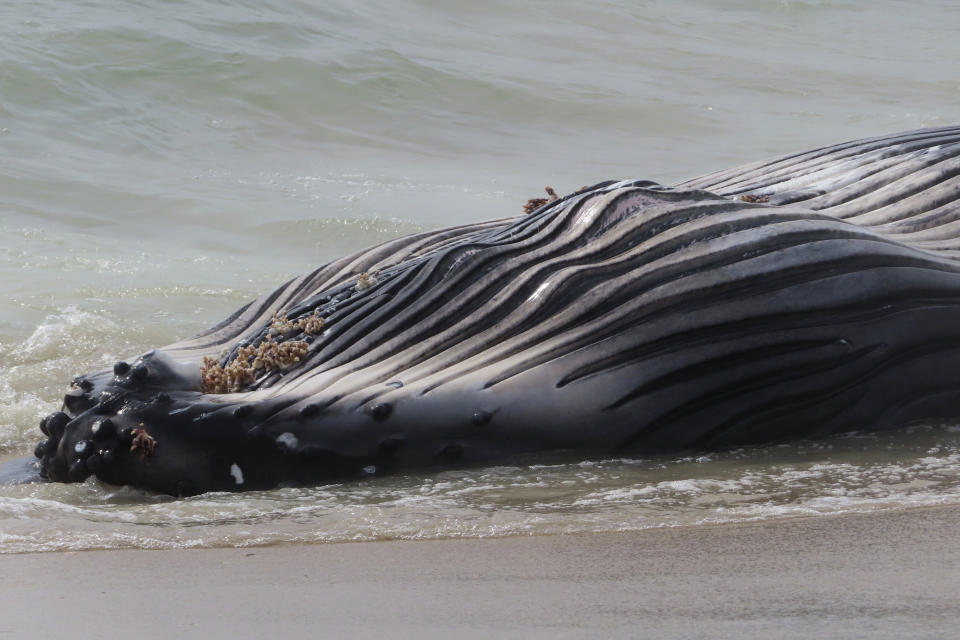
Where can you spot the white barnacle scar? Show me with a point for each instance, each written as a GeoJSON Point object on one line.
{"type": "Point", "coordinates": [288, 440]}
{"type": "Point", "coordinates": [237, 473]}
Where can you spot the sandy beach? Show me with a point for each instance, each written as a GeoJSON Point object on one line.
{"type": "Point", "coordinates": [882, 575]}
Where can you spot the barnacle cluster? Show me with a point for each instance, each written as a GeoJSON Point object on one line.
{"type": "Point", "coordinates": [215, 378]}
{"type": "Point", "coordinates": [251, 361]}
{"type": "Point", "coordinates": [142, 441]}
{"type": "Point", "coordinates": [311, 324]}
{"type": "Point", "coordinates": [367, 280]}
{"type": "Point", "coordinates": [281, 324]}
{"type": "Point", "coordinates": [751, 197]}
{"type": "Point", "coordinates": [535, 203]}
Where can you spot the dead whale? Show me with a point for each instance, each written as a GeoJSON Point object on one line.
{"type": "Point", "coordinates": [801, 296]}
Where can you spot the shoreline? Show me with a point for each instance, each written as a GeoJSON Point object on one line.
{"type": "Point", "coordinates": [887, 574]}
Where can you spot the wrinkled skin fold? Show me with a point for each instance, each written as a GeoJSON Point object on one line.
{"type": "Point", "coordinates": [797, 297]}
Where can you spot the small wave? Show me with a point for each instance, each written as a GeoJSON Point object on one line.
{"type": "Point", "coordinates": [852, 474]}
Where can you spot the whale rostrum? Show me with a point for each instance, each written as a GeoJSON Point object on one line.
{"type": "Point", "coordinates": [802, 296]}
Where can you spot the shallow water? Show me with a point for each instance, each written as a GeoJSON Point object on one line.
{"type": "Point", "coordinates": [853, 473]}
{"type": "Point", "coordinates": [162, 164]}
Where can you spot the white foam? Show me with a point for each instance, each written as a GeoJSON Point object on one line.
{"type": "Point", "coordinates": [609, 495]}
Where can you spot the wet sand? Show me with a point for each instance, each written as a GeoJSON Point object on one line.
{"type": "Point", "coordinates": [882, 575]}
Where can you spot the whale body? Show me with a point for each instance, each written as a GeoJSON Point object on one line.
{"type": "Point", "coordinates": [801, 296]}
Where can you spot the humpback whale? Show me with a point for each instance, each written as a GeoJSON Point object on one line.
{"type": "Point", "coordinates": [796, 297]}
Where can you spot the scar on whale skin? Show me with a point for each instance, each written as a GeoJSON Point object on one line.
{"type": "Point", "coordinates": [800, 296]}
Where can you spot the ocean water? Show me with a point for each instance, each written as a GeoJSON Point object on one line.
{"type": "Point", "coordinates": [162, 163]}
